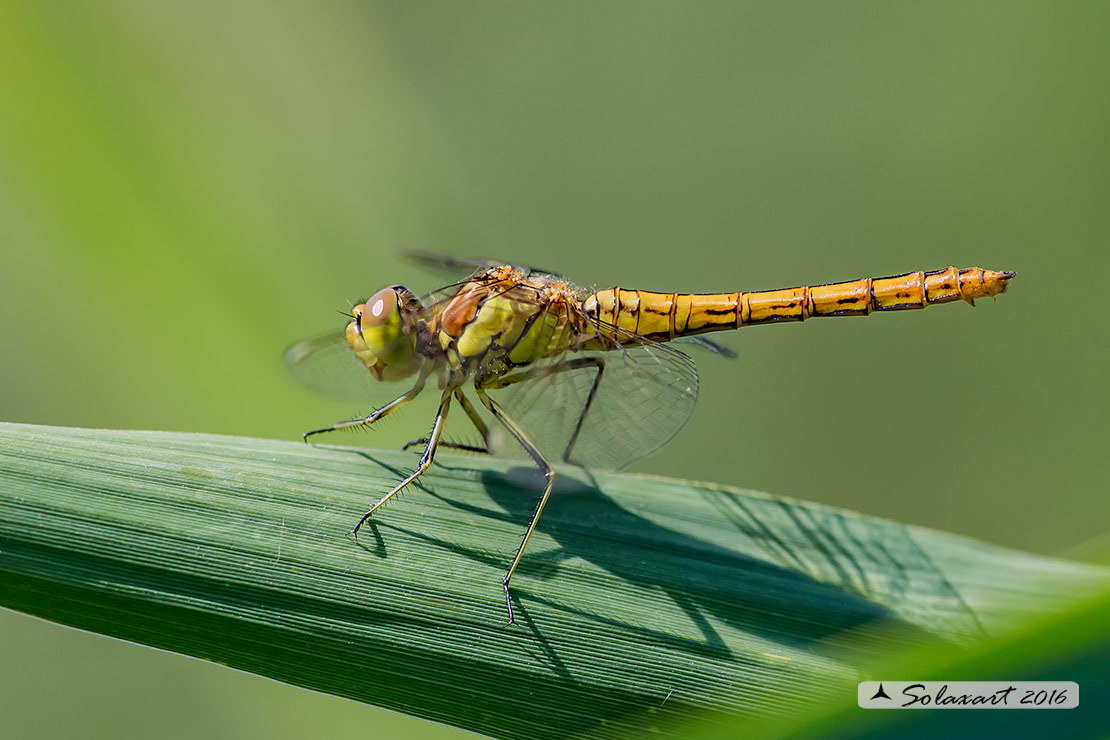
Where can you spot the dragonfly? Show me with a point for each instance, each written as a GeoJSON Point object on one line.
{"type": "Point", "coordinates": [597, 379]}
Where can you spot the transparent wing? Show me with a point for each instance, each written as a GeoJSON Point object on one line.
{"type": "Point", "coordinates": [330, 367]}
{"type": "Point", "coordinates": [645, 394]}
{"type": "Point", "coordinates": [452, 265]}
{"type": "Point", "coordinates": [448, 264]}
{"type": "Point", "coordinates": [709, 345]}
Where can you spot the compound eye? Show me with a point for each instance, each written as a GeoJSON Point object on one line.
{"type": "Point", "coordinates": [380, 308]}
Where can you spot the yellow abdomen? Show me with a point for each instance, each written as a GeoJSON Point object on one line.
{"type": "Point", "coordinates": [664, 316]}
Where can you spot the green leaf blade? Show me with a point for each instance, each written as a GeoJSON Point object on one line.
{"type": "Point", "coordinates": [639, 599]}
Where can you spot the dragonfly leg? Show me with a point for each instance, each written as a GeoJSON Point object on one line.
{"type": "Point", "coordinates": [474, 419]}
{"type": "Point", "coordinates": [384, 411]}
{"type": "Point", "coordinates": [549, 477]}
{"type": "Point", "coordinates": [579, 363]}
{"type": "Point", "coordinates": [425, 460]}
{"type": "Point", "coordinates": [585, 362]}
{"type": "Point", "coordinates": [446, 446]}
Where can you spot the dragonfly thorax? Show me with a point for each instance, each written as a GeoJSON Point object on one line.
{"type": "Point", "coordinates": [506, 318]}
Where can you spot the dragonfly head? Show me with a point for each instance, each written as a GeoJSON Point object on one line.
{"type": "Point", "coordinates": [383, 334]}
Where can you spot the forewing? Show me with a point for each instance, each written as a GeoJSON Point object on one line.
{"type": "Point", "coordinates": [451, 265]}
{"type": "Point", "coordinates": [645, 394]}
{"type": "Point", "coordinates": [330, 367]}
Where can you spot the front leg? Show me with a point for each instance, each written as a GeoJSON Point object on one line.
{"type": "Point", "coordinates": [374, 416]}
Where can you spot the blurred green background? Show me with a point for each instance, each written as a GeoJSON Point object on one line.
{"type": "Point", "coordinates": [186, 188]}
